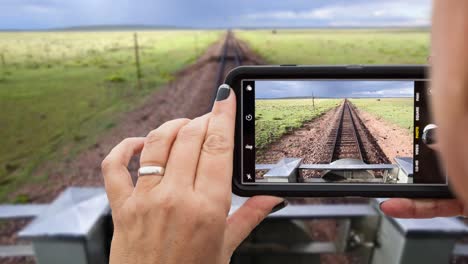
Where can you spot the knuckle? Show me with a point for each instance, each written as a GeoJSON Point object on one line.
{"type": "Point", "coordinates": [141, 206]}
{"type": "Point", "coordinates": [137, 209]}
{"type": "Point", "coordinates": [108, 162]}
{"type": "Point", "coordinates": [127, 141]}
{"type": "Point", "coordinates": [258, 217]}
{"type": "Point", "coordinates": [156, 136]}
{"type": "Point", "coordinates": [165, 202]}
{"type": "Point", "coordinates": [189, 131]}
{"type": "Point", "coordinates": [208, 213]}
{"type": "Point", "coordinates": [132, 211]}
{"type": "Point", "coordinates": [124, 215]}
{"type": "Point", "coordinates": [217, 144]}
{"type": "Point", "coordinates": [106, 165]}
{"type": "Point", "coordinates": [182, 120]}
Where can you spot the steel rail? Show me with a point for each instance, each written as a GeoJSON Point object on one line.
{"type": "Point", "coordinates": [338, 132]}
{"type": "Point", "coordinates": [230, 44]}
{"type": "Point", "coordinates": [358, 138]}
{"type": "Point", "coordinates": [336, 142]}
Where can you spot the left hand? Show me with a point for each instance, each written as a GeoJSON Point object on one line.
{"type": "Point", "coordinates": [181, 217]}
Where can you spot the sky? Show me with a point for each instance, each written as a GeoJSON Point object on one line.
{"type": "Point", "coordinates": [334, 89]}
{"type": "Point", "coordinates": [46, 14]}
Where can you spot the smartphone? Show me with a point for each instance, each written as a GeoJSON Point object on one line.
{"type": "Point", "coordinates": [335, 131]}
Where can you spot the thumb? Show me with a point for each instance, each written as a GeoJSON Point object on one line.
{"type": "Point", "coordinates": [248, 216]}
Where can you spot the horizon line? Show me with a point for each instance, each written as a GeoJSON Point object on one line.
{"type": "Point", "coordinates": [102, 27]}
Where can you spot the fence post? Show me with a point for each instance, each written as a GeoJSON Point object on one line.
{"type": "Point", "coordinates": [196, 44]}
{"type": "Point", "coordinates": [137, 60]}
{"type": "Point", "coordinates": [313, 101]}
{"type": "Point", "coordinates": [2, 58]}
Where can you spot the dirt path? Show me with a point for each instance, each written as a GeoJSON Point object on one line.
{"type": "Point", "coordinates": [372, 152]}
{"type": "Point", "coordinates": [392, 139]}
{"type": "Point", "coordinates": [188, 96]}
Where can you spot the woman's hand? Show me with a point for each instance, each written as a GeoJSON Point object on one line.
{"type": "Point", "coordinates": [450, 104]}
{"type": "Point", "coordinates": [423, 208]}
{"type": "Point", "coordinates": [181, 217]}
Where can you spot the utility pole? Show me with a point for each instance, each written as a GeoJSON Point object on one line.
{"type": "Point", "coordinates": [196, 43]}
{"type": "Point", "coordinates": [313, 101]}
{"type": "Point", "coordinates": [137, 61]}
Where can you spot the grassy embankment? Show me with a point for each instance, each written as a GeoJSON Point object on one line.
{"type": "Point", "coordinates": [273, 118]}
{"type": "Point", "coordinates": [357, 46]}
{"type": "Point", "coordinates": [399, 111]}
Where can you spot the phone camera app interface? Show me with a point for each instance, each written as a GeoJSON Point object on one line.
{"type": "Point", "coordinates": [338, 131]}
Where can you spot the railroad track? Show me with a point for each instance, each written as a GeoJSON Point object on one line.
{"type": "Point", "coordinates": [231, 56]}
{"type": "Point", "coordinates": [344, 140]}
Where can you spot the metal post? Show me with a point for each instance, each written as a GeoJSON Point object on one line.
{"type": "Point", "coordinates": [74, 229]}
{"type": "Point", "coordinates": [408, 241]}
{"type": "Point", "coordinates": [286, 236]}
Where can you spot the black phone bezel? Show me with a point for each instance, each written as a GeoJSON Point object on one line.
{"type": "Point", "coordinates": [370, 72]}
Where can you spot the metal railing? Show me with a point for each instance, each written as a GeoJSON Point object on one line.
{"type": "Point", "coordinates": [76, 228]}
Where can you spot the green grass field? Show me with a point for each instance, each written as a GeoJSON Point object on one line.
{"type": "Point", "coordinates": [359, 46]}
{"type": "Point", "coordinates": [399, 111]}
{"type": "Point", "coordinates": [59, 90]}
{"type": "Point", "coordinates": [274, 118]}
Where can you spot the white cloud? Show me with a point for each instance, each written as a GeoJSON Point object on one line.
{"type": "Point", "coordinates": [391, 13]}
{"type": "Point", "coordinates": [403, 92]}
{"type": "Point", "coordinates": [37, 9]}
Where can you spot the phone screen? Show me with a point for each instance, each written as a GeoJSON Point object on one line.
{"type": "Point", "coordinates": [338, 132]}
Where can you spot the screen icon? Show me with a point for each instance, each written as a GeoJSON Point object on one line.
{"type": "Point", "coordinates": [249, 147]}
{"type": "Point", "coordinates": [249, 88]}
{"type": "Point", "coordinates": [248, 117]}
{"type": "Point", "coordinates": [249, 176]}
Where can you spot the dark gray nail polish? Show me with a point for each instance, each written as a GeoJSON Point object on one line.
{"type": "Point", "coordinates": [380, 204]}
{"type": "Point", "coordinates": [279, 206]}
{"type": "Point", "coordinates": [223, 92]}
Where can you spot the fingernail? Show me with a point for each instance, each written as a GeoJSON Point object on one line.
{"type": "Point", "coordinates": [380, 204]}
{"type": "Point", "coordinates": [223, 92]}
{"type": "Point", "coordinates": [279, 206]}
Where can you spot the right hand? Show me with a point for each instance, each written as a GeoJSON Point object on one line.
{"type": "Point", "coordinates": [450, 106]}
{"type": "Point", "coordinates": [423, 208]}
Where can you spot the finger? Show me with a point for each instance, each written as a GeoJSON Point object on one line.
{"type": "Point", "coordinates": [216, 158]}
{"type": "Point", "coordinates": [117, 179]}
{"type": "Point", "coordinates": [248, 216]}
{"type": "Point", "coordinates": [424, 208]}
{"type": "Point", "coordinates": [158, 144]}
{"type": "Point", "coordinates": [183, 161]}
